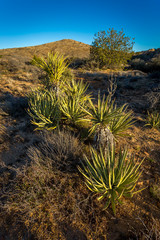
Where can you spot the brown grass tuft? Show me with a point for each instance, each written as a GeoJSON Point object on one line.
{"type": "Point", "coordinates": [61, 147]}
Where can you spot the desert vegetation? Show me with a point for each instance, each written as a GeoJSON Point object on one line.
{"type": "Point", "coordinates": [79, 149]}
{"type": "Point", "coordinates": [111, 49]}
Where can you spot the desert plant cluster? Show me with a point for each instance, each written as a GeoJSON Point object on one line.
{"type": "Point", "coordinates": [77, 176]}
{"type": "Point", "coordinates": [71, 106]}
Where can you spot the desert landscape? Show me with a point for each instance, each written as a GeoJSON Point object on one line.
{"type": "Point", "coordinates": [43, 195]}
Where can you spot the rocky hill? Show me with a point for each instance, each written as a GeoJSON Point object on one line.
{"type": "Point", "coordinates": [147, 61]}
{"type": "Point", "coordinates": [17, 61]}
{"type": "Point", "coordinates": [68, 47]}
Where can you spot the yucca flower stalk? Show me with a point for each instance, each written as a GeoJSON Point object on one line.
{"type": "Point", "coordinates": [44, 109]}
{"type": "Point", "coordinates": [54, 66]}
{"type": "Point", "coordinates": [111, 177]}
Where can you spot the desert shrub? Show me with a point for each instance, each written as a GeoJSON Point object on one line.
{"type": "Point", "coordinates": [155, 191]}
{"type": "Point", "coordinates": [154, 100]}
{"type": "Point", "coordinates": [61, 146]}
{"type": "Point", "coordinates": [44, 109]}
{"type": "Point", "coordinates": [76, 63]}
{"type": "Point", "coordinates": [112, 49]}
{"type": "Point", "coordinates": [111, 177]}
{"type": "Point", "coordinates": [154, 64]}
{"type": "Point", "coordinates": [153, 120]}
{"type": "Point", "coordinates": [138, 63]}
{"type": "Point", "coordinates": [146, 64]}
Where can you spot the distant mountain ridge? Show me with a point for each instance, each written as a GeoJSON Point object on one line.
{"type": "Point", "coordinates": [148, 54]}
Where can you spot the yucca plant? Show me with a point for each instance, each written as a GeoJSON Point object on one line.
{"type": "Point", "coordinates": [108, 120]}
{"type": "Point", "coordinates": [111, 177]}
{"type": "Point", "coordinates": [100, 116]}
{"type": "Point", "coordinates": [54, 67]}
{"type": "Point", "coordinates": [44, 109]}
{"type": "Point", "coordinates": [73, 101]}
{"type": "Point", "coordinates": [153, 120]}
{"type": "Point", "coordinates": [78, 88]}
{"type": "Point", "coordinates": [119, 125]}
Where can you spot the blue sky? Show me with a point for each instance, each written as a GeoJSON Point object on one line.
{"type": "Point", "coordinates": [33, 22]}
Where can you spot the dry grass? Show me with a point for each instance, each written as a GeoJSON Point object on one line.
{"type": "Point", "coordinates": [48, 203]}
{"type": "Point", "coordinates": [62, 147]}
{"type": "Point", "coordinates": [155, 191]}
{"type": "Point", "coordinates": [150, 232]}
{"type": "Point", "coordinates": [68, 47]}
{"type": "Point", "coordinates": [3, 131]}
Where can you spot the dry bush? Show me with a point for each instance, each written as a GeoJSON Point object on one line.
{"type": "Point", "coordinates": [147, 61]}
{"type": "Point", "coordinates": [155, 191]}
{"type": "Point", "coordinates": [154, 100]}
{"type": "Point", "coordinates": [61, 146]}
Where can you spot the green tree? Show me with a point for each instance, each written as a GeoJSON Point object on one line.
{"type": "Point", "coordinates": [112, 49]}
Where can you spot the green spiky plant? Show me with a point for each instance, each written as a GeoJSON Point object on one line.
{"type": "Point", "coordinates": [100, 117]}
{"type": "Point", "coordinates": [108, 120]}
{"type": "Point", "coordinates": [73, 101]}
{"type": "Point", "coordinates": [111, 177]}
{"type": "Point", "coordinates": [153, 120]}
{"type": "Point", "coordinates": [118, 126]}
{"type": "Point", "coordinates": [44, 109]}
{"type": "Point", "coordinates": [54, 67]}
{"type": "Point", "coordinates": [78, 88]}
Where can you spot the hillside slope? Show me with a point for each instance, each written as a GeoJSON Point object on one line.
{"type": "Point", "coordinates": [147, 61]}
{"type": "Point", "coordinates": [68, 47]}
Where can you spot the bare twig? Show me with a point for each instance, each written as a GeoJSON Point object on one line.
{"type": "Point", "coordinates": [112, 86]}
